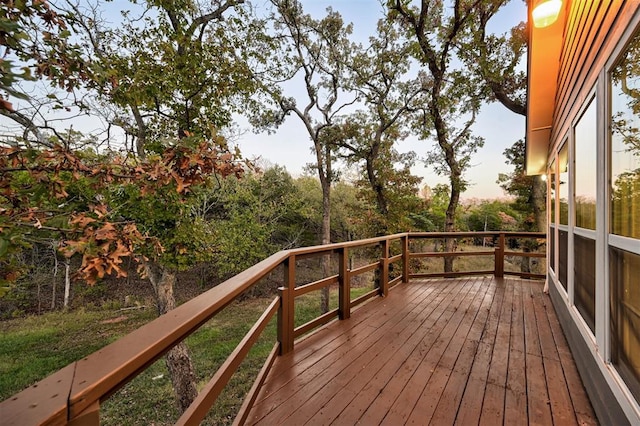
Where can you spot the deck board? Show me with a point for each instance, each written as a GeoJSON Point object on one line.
{"type": "Point", "coordinates": [478, 350]}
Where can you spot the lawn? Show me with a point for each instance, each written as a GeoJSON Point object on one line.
{"type": "Point", "coordinates": [32, 348]}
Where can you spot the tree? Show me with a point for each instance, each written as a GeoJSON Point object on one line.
{"type": "Point", "coordinates": [186, 48]}
{"type": "Point", "coordinates": [169, 76]}
{"type": "Point", "coordinates": [35, 40]}
{"type": "Point", "coordinates": [492, 216]}
{"type": "Point", "coordinates": [530, 196]}
{"type": "Point", "coordinates": [253, 217]}
{"type": "Point", "coordinates": [380, 76]}
{"type": "Point", "coordinates": [316, 51]}
{"type": "Point", "coordinates": [496, 59]}
{"type": "Point", "coordinates": [455, 95]}
{"type": "Point", "coordinates": [107, 208]}
{"type": "Point", "coordinates": [528, 190]}
{"type": "Point", "coordinates": [625, 143]}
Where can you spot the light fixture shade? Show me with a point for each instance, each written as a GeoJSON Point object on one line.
{"type": "Point", "coordinates": [546, 13]}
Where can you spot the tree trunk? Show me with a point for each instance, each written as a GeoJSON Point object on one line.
{"type": "Point", "coordinates": [378, 188]}
{"type": "Point", "coordinates": [67, 282]}
{"type": "Point", "coordinates": [538, 198]}
{"type": "Point", "coordinates": [450, 224]}
{"type": "Point", "coordinates": [178, 360]}
{"type": "Point", "coordinates": [537, 202]}
{"type": "Point", "coordinates": [53, 282]}
{"type": "Point", "coordinates": [53, 292]}
{"type": "Point", "coordinates": [326, 239]}
{"type": "Point", "coordinates": [325, 182]}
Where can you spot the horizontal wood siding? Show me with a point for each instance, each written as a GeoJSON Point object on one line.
{"type": "Point", "coordinates": [593, 30]}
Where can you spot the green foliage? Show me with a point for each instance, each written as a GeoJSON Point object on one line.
{"type": "Point", "coordinates": [194, 53]}
{"type": "Point", "coordinates": [432, 217]}
{"type": "Point", "coordinates": [625, 204]}
{"type": "Point", "coordinates": [36, 39]}
{"type": "Point", "coordinates": [496, 58]}
{"type": "Point", "coordinates": [492, 216]}
{"type": "Point", "coordinates": [528, 190]}
{"type": "Point", "coordinates": [253, 217]}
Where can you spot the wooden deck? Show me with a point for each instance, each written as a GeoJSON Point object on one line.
{"type": "Point", "coordinates": [478, 350]}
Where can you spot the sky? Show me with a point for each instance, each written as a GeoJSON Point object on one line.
{"type": "Point", "coordinates": [290, 146]}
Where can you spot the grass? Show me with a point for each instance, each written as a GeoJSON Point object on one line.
{"type": "Point", "coordinates": [31, 348]}
{"type": "Point", "coordinates": [474, 263]}
{"type": "Point", "coordinates": [34, 347]}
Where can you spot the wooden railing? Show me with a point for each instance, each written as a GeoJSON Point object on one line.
{"type": "Point", "coordinates": [73, 394]}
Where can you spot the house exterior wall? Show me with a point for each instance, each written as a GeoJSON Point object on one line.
{"type": "Point", "coordinates": [594, 253]}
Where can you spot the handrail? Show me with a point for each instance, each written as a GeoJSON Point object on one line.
{"type": "Point", "coordinates": [75, 392]}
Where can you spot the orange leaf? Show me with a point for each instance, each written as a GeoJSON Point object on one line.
{"type": "Point", "coordinates": [82, 220]}
{"type": "Point", "coordinates": [107, 232]}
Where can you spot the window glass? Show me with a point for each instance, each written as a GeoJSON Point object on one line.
{"type": "Point", "coordinates": [585, 279]}
{"type": "Point", "coordinates": [625, 143]}
{"type": "Point", "coordinates": [624, 203]}
{"type": "Point", "coordinates": [563, 184]}
{"type": "Point", "coordinates": [552, 193]}
{"type": "Point", "coordinates": [625, 316]}
{"type": "Point", "coordinates": [563, 266]}
{"type": "Point", "coordinates": [586, 166]}
{"type": "Point", "coordinates": [552, 220]}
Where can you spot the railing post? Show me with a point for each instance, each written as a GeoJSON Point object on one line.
{"type": "Point", "coordinates": [286, 312]}
{"type": "Point", "coordinates": [344, 283]}
{"type": "Point", "coordinates": [405, 259]}
{"type": "Point", "coordinates": [499, 257]}
{"type": "Point", "coordinates": [384, 275]}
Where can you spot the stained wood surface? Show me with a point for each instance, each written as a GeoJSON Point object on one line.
{"type": "Point", "coordinates": [476, 350]}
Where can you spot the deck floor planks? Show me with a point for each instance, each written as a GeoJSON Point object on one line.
{"type": "Point", "coordinates": [337, 394]}
{"type": "Point", "coordinates": [583, 410]}
{"type": "Point", "coordinates": [445, 380]}
{"type": "Point", "coordinates": [451, 399]}
{"type": "Point", "coordinates": [313, 375]}
{"type": "Point", "coordinates": [494, 395]}
{"type": "Point", "coordinates": [389, 371]}
{"type": "Point", "coordinates": [470, 335]}
{"type": "Point", "coordinates": [357, 382]}
{"type": "Point", "coordinates": [349, 329]}
{"type": "Point", "coordinates": [515, 405]}
{"type": "Point", "coordinates": [405, 402]}
{"type": "Point", "coordinates": [561, 407]}
{"type": "Point", "coordinates": [385, 397]}
{"type": "Point", "coordinates": [471, 405]}
{"type": "Point", "coordinates": [537, 395]}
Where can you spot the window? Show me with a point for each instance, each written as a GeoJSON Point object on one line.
{"type": "Point", "coordinates": [586, 167]}
{"type": "Point", "coordinates": [563, 212]}
{"type": "Point", "coordinates": [584, 202]}
{"type": "Point", "coordinates": [625, 316]}
{"type": "Point", "coordinates": [624, 210]}
{"type": "Point", "coordinates": [552, 218]}
{"type": "Point", "coordinates": [625, 143]}
{"type": "Point", "coordinates": [584, 288]}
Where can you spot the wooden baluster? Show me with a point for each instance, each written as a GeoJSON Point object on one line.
{"type": "Point", "coordinates": [344, 283]}
{"type": "Point", "coordinates": [384, 275]}
{"type": "Point", "coordinates": [286, 312]}
{"type": "Point", "coordinates": [405, 258]}
{"type": "Point", "coordinates": [499, 257]}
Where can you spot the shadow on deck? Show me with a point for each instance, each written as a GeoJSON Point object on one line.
{"type": "Point", "coordinates": [476, 350]}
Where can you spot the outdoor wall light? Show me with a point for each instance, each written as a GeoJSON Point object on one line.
{"type": "Point", "coordinates": [546, 12]}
